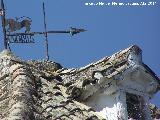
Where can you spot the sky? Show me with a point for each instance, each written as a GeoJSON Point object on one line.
{"type": "Point", "coordinates": [110, 28]}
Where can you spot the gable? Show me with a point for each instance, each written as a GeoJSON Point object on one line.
{"type": "Point", "coordinates": [115, 67]}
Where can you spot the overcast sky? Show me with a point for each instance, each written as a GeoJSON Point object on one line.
{"type": "Point", "coordinates": [109, 29]}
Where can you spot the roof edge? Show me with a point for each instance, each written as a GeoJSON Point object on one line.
{"type": "Point", "coordinates": [133, 48]}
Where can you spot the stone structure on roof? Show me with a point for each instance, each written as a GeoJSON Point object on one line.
{"type": "Point", "coordinates": [115, 88]}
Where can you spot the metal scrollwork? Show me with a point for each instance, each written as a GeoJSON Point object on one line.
{"type": "Point", "coordinates": [21, 39]}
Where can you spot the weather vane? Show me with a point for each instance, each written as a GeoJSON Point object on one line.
{"type": "Point", "coordinates": [11, 26]}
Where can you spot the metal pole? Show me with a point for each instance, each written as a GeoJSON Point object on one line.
{"type": "Point", "coordinates": [3, 24]}
{"type": "Point", "coordinates": [38, 33]}
{"type": "Point", "coordinates": [46, 36]}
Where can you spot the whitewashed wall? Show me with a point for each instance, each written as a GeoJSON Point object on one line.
{"type": "Point", "coordinates": [105, 105]}
{"type": "Point", "coordinates": [110, 105]}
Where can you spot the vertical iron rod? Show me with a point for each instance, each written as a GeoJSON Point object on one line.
{"type": "Point", "coordinates": [3, 24]}
{"type": "Point", "coordinates": [46, 36]}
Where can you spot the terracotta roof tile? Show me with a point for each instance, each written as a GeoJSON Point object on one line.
{"type": "Point", "coordinates": [26, 93]}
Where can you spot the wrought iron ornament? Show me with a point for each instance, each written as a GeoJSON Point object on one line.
{"type": "Point", "coordinates": [11, 26]}
{"type": "Point", "coordinates": [21, 39]}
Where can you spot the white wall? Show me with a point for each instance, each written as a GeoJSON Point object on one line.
{"type": "Point", "coordinates": [105, 105]}
{"type": "Point", "coordinates": [111, 107]}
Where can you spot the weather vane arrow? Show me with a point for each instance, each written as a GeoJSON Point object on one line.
{"type": "Point", "coordinates": [72, 31]}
